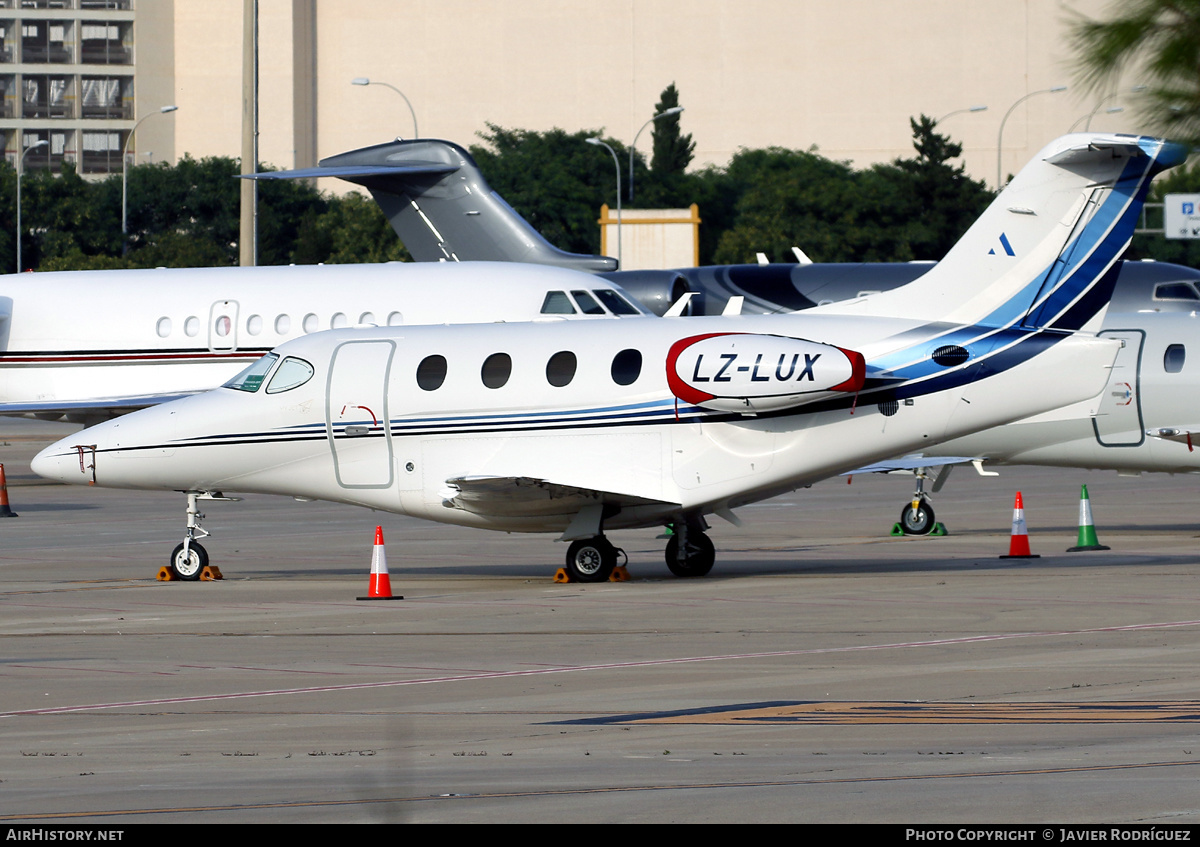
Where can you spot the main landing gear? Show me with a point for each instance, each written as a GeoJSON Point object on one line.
{"type": "Point", "coordinates": [690, 552]}
{"type": "Point", "coordinates": [592, 559]}
{"type": "Point", "coordinates": [189, 559]}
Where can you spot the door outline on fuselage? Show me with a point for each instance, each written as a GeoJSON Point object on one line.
{"type": "Point", "coordinates": [353, 359]}
{"type": "Point", "coordinates": [223, 312]}
{"type": "Point", "coordinates": [1131, 352]}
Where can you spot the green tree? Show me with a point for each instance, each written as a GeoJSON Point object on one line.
{"type": "Point", "coordinates": [554, 179]}
{"type": "Point", "coordinates": [1160, 40]}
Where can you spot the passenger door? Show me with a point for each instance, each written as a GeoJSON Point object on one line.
{"type": "Point", "coordinates": [356, 414]}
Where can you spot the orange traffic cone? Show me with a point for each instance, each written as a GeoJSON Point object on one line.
{"type": "Point", "coordinates": [1018, 547]}
{"type": "Point", "coordinates": [381, 583]}
{"type": "Point", "coordinates": [5, 511]}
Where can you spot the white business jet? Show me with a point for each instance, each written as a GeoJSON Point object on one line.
{"type": "Point", "coordinates": [89, 345]}
{"type": "Point", "coordinates": [585, 428]}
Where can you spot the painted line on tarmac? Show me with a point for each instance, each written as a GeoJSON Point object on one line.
{"type": "Point", "coordinates": [911, 712]}
{"type": "Point", "coordinates": [648, 663]}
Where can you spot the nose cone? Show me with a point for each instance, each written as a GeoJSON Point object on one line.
{"type": "Point", "coordinates": [66, 461]}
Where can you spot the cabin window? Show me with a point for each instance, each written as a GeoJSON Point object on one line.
{"type": "Point", "coordinates": [617, 304]}
{"type": "Point", "coordinates": [1175, 291]}
{"type": "Point", "coordinates": [223, 326]}
{"type": "Point", "coordinates": [191, 327]}
{"type": "Point", "coordinates": [560, 370]}
{"type": "Point", "coordinates": [1173, 358]}
{"type": "Point", "coordinates": [396, 319]}
{"type": "Point", "coordinates": [293, 373]}
{"type": "Point", "coordinates": [627, 367]}
{"type": "Point", "coordinates": [338, 321]}
{"type": "Point", "coordinates": [251, 379]}
{"type": "Point", "coordinates": [366, 319]}
{"type": "Point", "coordinates": [497, 368]}
{"type": "Point", "coordinates": [587, 303]}
{"type": "Point", "coordinates": [163, 327]}
{"type": "Point", "coordinates": [283, 325]}
{"type": "Point", "coordinates": [431, 373]}
{"type": "Point", "coordinates": [310, 323]}
{"type": "Point", "coordinates": [557, 303]}
{"type": "Point", "coordinates": [254, 324]}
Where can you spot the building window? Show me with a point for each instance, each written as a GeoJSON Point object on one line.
{"type": "Point", "coordinates": [106, 97]}
{"type": "Point", "coordinates": [101, 152]}
{"type": "Point", "coordinates": [104, 43]}
{"type": "Point", "coordinates": [47, 96]}
{"type": "Point", "coordinates": [46, 42]}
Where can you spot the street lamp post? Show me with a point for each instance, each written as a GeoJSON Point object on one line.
{"type": "Point", "coordinates": [362, 80]}
{"type": "Point", "coordinates": [672, 111]}
{"type": "Point", "coordinates": [617, 165]}
{"type": "Point", "coordinates": [962, 111]}
{"type": "Point", "coordinates": [125, 175]}
{"type": "Point", "coordinates": [37, 145]}
{"type": "Point", "coordinates": [1000, 136]}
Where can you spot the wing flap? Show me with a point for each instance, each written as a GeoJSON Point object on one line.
{"type": "Point", "coordinates": [501, 496]}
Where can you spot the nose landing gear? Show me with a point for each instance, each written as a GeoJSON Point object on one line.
{"type": "Point", "coordinates": [189, 559]}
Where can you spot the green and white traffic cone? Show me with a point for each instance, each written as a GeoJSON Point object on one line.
{"type": "Point", "coordinates": [1087, 529]}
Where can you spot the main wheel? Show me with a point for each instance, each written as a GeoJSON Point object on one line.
{"type": "Point", "coordinates": [591, 560]}
{"type": "Point", "coordinates": [188, 567]}
{"type": "Point", "coordinates": [698, 557]}
{"type": "Point", "coordinates": [919, 522]}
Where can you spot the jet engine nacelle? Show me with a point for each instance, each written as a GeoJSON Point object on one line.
{"type": "Point", "coordinates": [751, 372]}
{"type": "Point", "coordinates": [656, 290]}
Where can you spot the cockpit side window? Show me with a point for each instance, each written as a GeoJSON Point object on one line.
{"type": "Point", "coordinates": [617, 304]}
{"type": "Point", "coordinates": [557, 303]}
{"type": "Point", "coordinates": [251, 379]}
{"type": "Point", "coordinates": [293, 373]}
{"type": "Point", "coordinates": [1175, 291]}
{"type": "Point", "coordinates": [587, 303]}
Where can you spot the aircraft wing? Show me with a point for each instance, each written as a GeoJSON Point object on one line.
{"type": "Point", "coordinates": [1188, 435]}
{"type": "Point", "coordinates": [523, 495]}
{"type": "Point", "coordinates": [912, 463]}
{"type": "Point", "coordinates": [100, 407]}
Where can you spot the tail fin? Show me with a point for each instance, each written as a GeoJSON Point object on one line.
{"type": "Point", "coordinates": [441, 206]}
{"type": "Point", "coordinates": [1044, 253]}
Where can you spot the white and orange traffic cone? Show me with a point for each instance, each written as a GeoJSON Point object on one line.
{"type": "Point", "coordinates": [1018, 547]}
{"type": "Point", "coordinates": [1087, 528]}
{"type": "Point", "coordinates": [381, 583]}
{"type": "Point", "coordinates": [5, 510]}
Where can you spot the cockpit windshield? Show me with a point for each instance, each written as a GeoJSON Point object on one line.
{"type": "Point", "coordinates": [251, 379]}
{"type": "Point", "coordinates": [293, 373]}
{"type": "Point", "coordinates": [617, 304]}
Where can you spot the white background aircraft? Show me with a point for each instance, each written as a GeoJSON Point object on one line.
{"type": "Point", "coordinates": [584, 428]}
{"type": "Point", "coordinates": [91, 344]}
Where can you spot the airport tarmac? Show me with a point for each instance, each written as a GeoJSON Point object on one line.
{"type": "Point", "coordinates": [824, 672]}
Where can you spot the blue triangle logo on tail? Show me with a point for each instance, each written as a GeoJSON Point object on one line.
{"type": "Point", "coordinates": [1008, 251]}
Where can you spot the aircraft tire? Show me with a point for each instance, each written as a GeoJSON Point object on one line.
{"type": "Point", "coordinates": [591, 560]}
{"type": "Point", "coordinates": [919, 524]}
{"type": "Point", "coordinates": [700, 557]}
{"type": "Point", "coordinates": [188, 568]}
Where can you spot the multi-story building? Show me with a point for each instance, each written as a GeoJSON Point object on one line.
{"type": "Point", "coordinates": [69, 77]}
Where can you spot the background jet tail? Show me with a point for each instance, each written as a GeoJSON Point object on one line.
{"type": "Point", "coordinates": [1044, 253]}
{"type": "Point", "coordinates": [441, 206]}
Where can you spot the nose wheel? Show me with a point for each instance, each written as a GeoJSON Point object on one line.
{"type": "Point", "coordinates": [189, 559]}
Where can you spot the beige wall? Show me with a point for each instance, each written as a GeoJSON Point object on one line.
{"type": "Point", "coordinates": [844, 76]}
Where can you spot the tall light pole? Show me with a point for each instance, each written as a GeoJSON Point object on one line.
{"type": "Point", "coordinates": [962, 111]}
{"type": "Point", "coordinates": [1000, 136]}
{"type": "Point", "coordinates": [672, 111]}
{"type": "Point", "coordinates": [362, 80]}
{"type": "Point", "coordinates": [617, 165]}
{"type": "Point", "coordinates": [37, 145]}
{"type": "Point", "coordinates": [1137, 89]}
{"type": "Point", "coordinates": [125, 174]}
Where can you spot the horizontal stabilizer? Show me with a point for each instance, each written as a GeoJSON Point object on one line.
{"type": "Point", "coordinates": [442, 208]}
